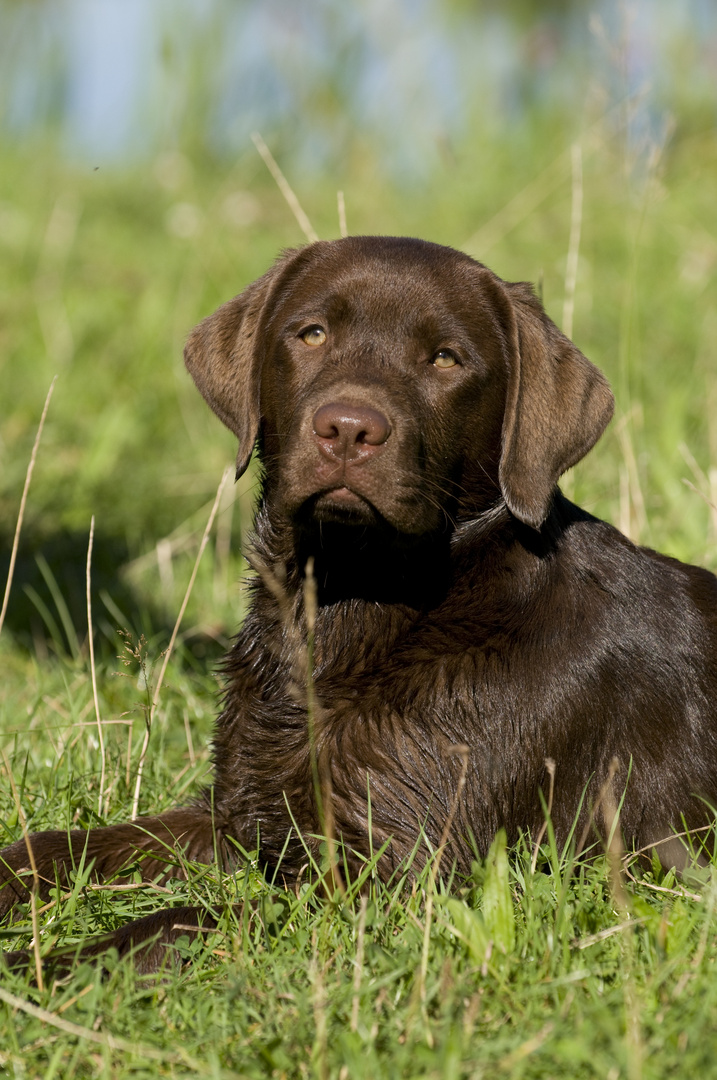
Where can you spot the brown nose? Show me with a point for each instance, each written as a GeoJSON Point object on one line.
{"type": "Point", "coordinates": [350, 431]}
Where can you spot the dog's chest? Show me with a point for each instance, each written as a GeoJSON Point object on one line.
{"type": "Point", "coordinates": [382, 722]}
{"type": "Point", "coordinates": [370, 682]}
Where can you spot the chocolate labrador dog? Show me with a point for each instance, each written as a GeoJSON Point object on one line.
{"type": "Point", "coordinates": [431, 618]}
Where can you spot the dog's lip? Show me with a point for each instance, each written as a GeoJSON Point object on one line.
{"type": "Point", "coordinates": [341, 492]}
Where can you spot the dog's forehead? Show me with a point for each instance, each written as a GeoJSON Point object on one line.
{"type": "Point", "coordinates": [382, 279]}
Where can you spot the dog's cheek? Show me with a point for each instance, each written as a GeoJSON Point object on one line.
{"type": "Point", "coordinates": [472, 442]}
{"type": "Point", "coordinates": [278, 399]}
{"type": "Point", "coordinates": [287, 449]}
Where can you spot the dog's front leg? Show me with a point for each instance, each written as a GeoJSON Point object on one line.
{"type": "Point", "coordinates": [154, 844]}
{"type": "Point", "coordinates": [149, 941]}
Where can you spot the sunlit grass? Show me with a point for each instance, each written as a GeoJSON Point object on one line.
{"type": "Point", "coordinates": [102, 275]}
{"type": "Point", "coordinates": [550, 976]}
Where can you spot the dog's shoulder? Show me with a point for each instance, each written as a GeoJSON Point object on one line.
{"type": "Point", "coordinates": [600, 550]}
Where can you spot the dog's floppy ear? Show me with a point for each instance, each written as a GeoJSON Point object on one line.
{"type": "Point", "coordinates": [223, 357]}
{"type": "Point", "coordinates": [557, 406]}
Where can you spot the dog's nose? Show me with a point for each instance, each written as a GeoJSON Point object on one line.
{"type": "Point", "coordinates": [350, 431]}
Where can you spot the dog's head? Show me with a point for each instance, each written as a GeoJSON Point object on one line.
{"type": "Point", "coordinates": [391, 379]}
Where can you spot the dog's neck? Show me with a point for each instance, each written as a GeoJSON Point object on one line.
{"type": "Point", "coordinates": [377, 566]}
{"type": "Point", "coordinates": [380, 585]}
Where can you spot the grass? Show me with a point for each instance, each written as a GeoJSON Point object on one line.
{"type": "Point", "coordinates": [519, 972]}
{"type": "Point", "coordinates": [530, 972]}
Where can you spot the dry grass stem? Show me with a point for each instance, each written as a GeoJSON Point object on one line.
{"type": "Point", "coordinates": [321, 772]}
{"type": "Point", "coordinates": [694, 465]}
{"type": "Point", "coordinates": [102, 886]}
{"type": "Point", "coordinates": [613, 840]}
{"type": "Point", "coordinates": [343, 230]}
{"type": "Point", "coordinates": [302, 691]}
{"type": "Point", "coordinates": [667, 840]}
{"type": "Point", "coordinates": [284, 187]}
{"type": "Point", "coordinates": [612, 769]}
{"type": "Point", "coordinates": [462, 751]}
{"type": "Point", "coordinates": [683, 894]}
{"type": "Point", "coordinates": [710, 503]}
{"type": "Point", "coordinates": [172, 640]}
{"type": "Point", "coordinates": [87, 1034]}
{"type": "Point", "coordinates": [550, 766]}
{"type": "Point", "coordinates": [615, 856]}
{"type": "Point", "coordinates": [33, 866]}
{"type": "Point", "coordinates": [93, 673]}
{"type": "Point", "coordinates": [633, 515]}
{"type": "Point", "coordinates": [602, 935]}
{"type": "Point", "coordinates": [358, 970]}
{"type": "Point", "coordinates": [23, 500]}
{"type": "Point", "coordinates": [311, 604]}
{"type": "Point", "coordinates": [576, 218]}
{"type": "Point", "coordinates": [707, 482]}
{"type": "Point", "coordinates": [190, 741]}
{"type": "Point", "coordinates": [519, 207]}
{"type": "Point", "coordinates": [273, 583]}
{"type": "Point", "coordinates": [222, 545]}
{"type": "Point", "coordinates": [512, 1060]}
{"type": "Point", "coordinates": [320, 1004]}
{"type": "Point", "coordinates": [526, 201]}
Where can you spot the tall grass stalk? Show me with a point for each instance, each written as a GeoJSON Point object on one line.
{"type": "Point", "coordinates": [23, 500]}
{"type": "Point", "coordinates": [285, 188]}
{"type": "Point", "coordinates": [172, 640]}
{"type": "Point", "coordinates": [462, 751]}
{"type": "Point", "coordinates": [93, 672]}
{"type": "Point", "coordinates": [33, 867]}
{"type": "Point", "coordinates": [576, 220]}
{"type": "Point", "coordinates": [343, 227]}
{"type": "Point", "coordinates": [86, 1034]}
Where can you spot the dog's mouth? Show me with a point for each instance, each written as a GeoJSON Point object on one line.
{"type": "Point", "coordinates": [379, 508]}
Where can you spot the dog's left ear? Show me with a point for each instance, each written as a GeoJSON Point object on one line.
{"type": "Point", "coordinates": [557, 406]}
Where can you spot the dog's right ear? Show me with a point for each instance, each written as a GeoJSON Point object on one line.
{"type": "Point", "coordinates": [223, 357]}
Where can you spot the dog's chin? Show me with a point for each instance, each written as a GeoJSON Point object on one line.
{"type": "Point", "coordinates": [340, 506]}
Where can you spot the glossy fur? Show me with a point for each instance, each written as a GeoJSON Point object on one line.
{"type": "Point", "coordinates": [413, 413]}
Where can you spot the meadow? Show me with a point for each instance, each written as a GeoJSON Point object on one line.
{"type": "Point", "coordinates": [535, 966]}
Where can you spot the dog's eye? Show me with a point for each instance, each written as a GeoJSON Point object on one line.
{"type": "Point", "coordinates": [444, 358]}
{"type": "Point", "coordinates": [314, 335]}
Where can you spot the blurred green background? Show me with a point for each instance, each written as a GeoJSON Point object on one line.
{"type": "Point", "coordinates": [571, 144]}
{"type": "Point", "coordinates": [557, 142]}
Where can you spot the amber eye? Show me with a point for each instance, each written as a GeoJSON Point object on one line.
{"type": "Point", "coordinates": [315, 335]}
{"type": "Point", "coordinates": [444, 358]}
